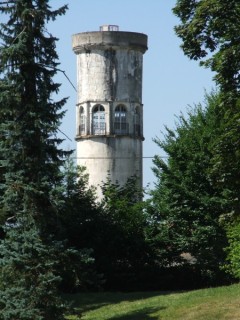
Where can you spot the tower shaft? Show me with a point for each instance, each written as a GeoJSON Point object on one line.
{"type": "Point", "coordinates": [109, 113]}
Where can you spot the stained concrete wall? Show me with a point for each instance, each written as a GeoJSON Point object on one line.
{"type": "Point", "coordinates": [109, 72]}
{"type": "Point", "coordinates": [103, 155]}
{"type": "Point", "coordinates": [109, 65]}
{"type": "Point", "coordinates": [110, 75]}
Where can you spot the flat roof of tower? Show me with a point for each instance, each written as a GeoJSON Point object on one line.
{"type": "Point", "coordinates": [109, 39]}
{"type": "Point", "coordinates": [109, 27]}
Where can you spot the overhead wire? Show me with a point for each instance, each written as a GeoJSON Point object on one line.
{"type": "Point", "coordinates": [100, 158]}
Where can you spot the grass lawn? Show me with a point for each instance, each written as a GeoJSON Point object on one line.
{"type": "Point", "coordinates": [207, 304]}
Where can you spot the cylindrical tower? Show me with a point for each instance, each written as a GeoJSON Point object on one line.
{"type": "Point", "coordinates": [109, 104]}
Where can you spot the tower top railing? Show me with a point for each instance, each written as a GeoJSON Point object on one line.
{"type": "Point", "coordinates": [109, 27]}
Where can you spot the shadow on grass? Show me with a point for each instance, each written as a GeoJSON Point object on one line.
{"type": "Point", "coordinates": [143, 314]}
{"type": "Point", "coordinates": [84, 302]}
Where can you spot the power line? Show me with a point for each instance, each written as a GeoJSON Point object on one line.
{"type": "Point", "coordinates": [64, 134]}
{"type": "Point", "coordinates": [64, 72]}
{"type": "Point", "coordinates": [106, 158]}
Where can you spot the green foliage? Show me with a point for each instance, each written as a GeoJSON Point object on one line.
{"type": "Point", "coordinates": [30, 161]}
{"type": "Point", "coordinates": [233, 251]}
{"type": "Point", "coordinates": [210, 28]}
{"type": "Point", "coordinates": [112, 235]}
{"type": "Point", "coordinates": [225, 173]}
{"type": "Point", "coordinates": [125, 249]}
{"type": "Point", "coordinates": [123, 207]}
{"type": "Point", "coordinates": [29, 281]}
{"type": "Point", "coordinates": [79, 219]}
{"type": "Point", "coordinates": [225, 165]}
{"type": "Point", "coordinates": [185, 201]}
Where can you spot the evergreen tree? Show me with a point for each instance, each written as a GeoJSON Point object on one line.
{"type": "Point", "coordinates": [31, 160]}
{"type": "Point", "coordinates": [29, 277]}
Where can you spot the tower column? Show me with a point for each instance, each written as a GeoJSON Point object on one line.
{"type": "Point", "coordinates": [109, 104]}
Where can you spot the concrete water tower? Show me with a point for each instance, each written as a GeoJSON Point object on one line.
{"type": "Point", "coordinates": [109, 103]}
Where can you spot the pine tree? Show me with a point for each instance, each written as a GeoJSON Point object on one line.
{"type": "Point", "coordinates": [31, 160]}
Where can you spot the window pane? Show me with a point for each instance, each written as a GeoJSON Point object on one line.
{"type": "Point", "coordinates": [98, 120]}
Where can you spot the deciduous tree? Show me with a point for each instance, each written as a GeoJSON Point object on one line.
{"type": "Point", "coordinates": [186, 202]}
{"type": "Point", "coordinates": [210, 32]}
{"type": "Point", "coordinates": [124, 251]}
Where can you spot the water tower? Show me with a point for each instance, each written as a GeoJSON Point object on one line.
{"type": "Point", "coordinates": [109, 112]}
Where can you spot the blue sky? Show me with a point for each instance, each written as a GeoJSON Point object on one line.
{"type": "Point", "coordinates": [171, 81]}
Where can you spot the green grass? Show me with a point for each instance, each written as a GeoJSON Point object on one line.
{"type": "Point", "coordinates": [207, 304]}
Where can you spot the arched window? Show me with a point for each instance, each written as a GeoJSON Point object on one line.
{"type": "Point", "coordinates": [82, 126]}
{"type": "Point", "coordinates": [137, 127]}
{"type": "Point", "coordinates": [120, 120]}
{"type": "Point", "coordinates": [98, 123]}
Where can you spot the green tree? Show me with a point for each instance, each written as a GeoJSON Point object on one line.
{"type": "Point", "coordinates": [80, 219]}
{"type": "Point", "coordinates": [210, 31]}
{"type": "Point", "coordinates": [31, 161]}
{"type": "Point", "coordinates": [29, 274]}
{"type": "Point", "coordinates": [125, 249]}
{"type": "Point", "coordinates": [187, 204]}
{"type": "Point", "coordinates": [232, 264]}
{"type": "Point", "coordinates": [110, 234]}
